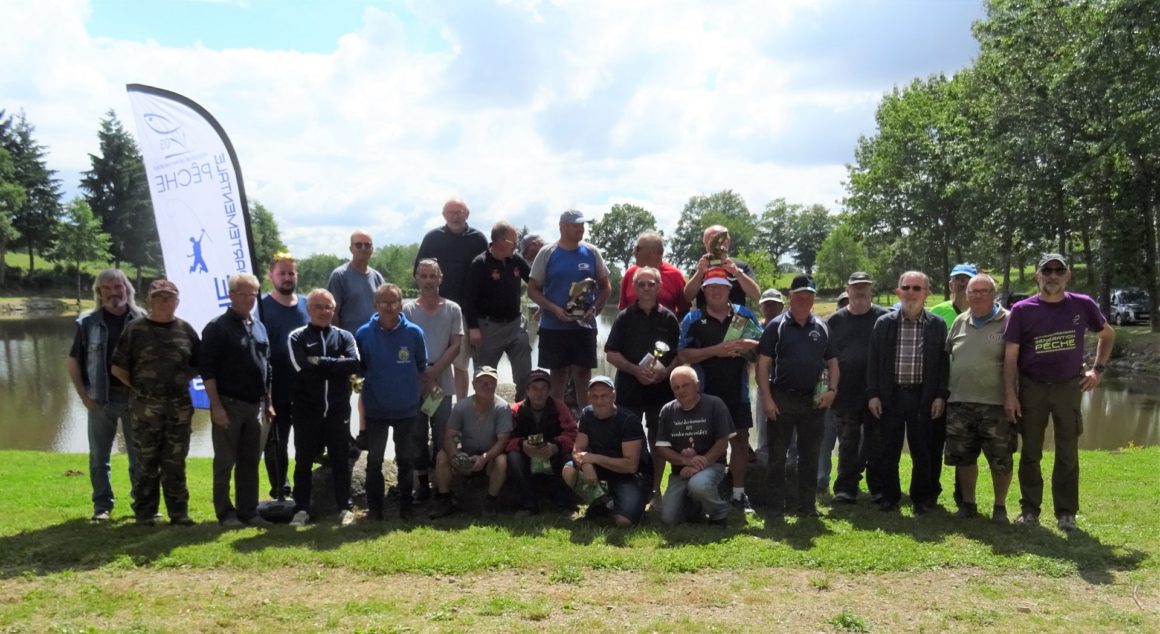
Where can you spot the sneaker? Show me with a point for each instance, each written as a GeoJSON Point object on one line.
{"type": "Point", "coordinates": [844, 498]}
{"type": "Point", "coordinates": [100, 517]}
{"type": "Point", "coordinates": [182, 520]}
{"type": "Point", "coordinates": [967, 511]}
{"type": "Point", "coordinates": [489, 506]}
{"type": "Point", "coordinates": [257, 521]}
{"type": "Point", "coordinates": [742, 504]}
{"type": "Point", "coordinates": [300, 519]}
{"type": "Point", "coordinates": [444, 506]}
{"type": "Point", "coordinates": [655, 502]}
{"type": "Point", "coordinates": [231, 521]}
{"type": "Point", "coordinates": [346, 517]}
{"type": "Point", "coordinates": [999, 514]}
{"type": "Point", "coordinates": [1066, 523]}
{"type": "Point", "coordinates": [1027, 518]}
{"type": "Point", "coordinates": [146, 521]}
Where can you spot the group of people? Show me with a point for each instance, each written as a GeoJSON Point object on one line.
{"type": "Point", "coordinates": [953, 382]}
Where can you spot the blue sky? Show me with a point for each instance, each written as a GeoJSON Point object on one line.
{"type": "Point", "coordinates": [357, 114]}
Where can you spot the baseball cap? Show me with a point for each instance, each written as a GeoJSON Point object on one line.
{"type": "Point", "coordinates": [843, 296]}
{"type": "Point", "coordinates": [771, 295]}
{"type": "Point", "coordinates": [802, 283]}
{"type": "Point", "coordinates": [573, 217]}
{"type": "Point", "coordinates": [486, 370]}
{"type": "Point", "coordinates": [1049, 257]}
{"type": "Point", "coordinates": [965, 269]}
{"type": "Point", "coordinates": [528, 239]}
{"type": "Point", "coordinates": [859, 277]}
{"type": "Point", "coordinates": [538, 374]}
{"type": "Point", "coordinates": [716, 276]}
{"type": "Point", "coordinates": [162, 286]}
{"type": "Point", "coordinates": [601, 379]}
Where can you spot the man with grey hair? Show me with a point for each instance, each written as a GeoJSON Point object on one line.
{"type": "Point", "coordinates": [235, 371]}
{"type": "Point", "coordinates": [105, 397]}
{"type": "Point", "coordinates": [650, 252]}
{"type": "Point", "coordinates": [906, 384]}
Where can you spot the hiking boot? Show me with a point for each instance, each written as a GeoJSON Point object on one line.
{"type": "Point", "coordinates": [844, 498]}
{"type": "Point", "coordinates": [100, 517]}
{"type": "Point", "coordinates": [346, 517]}
{"type": "Point", "coordinates": [1027, 518]}
{"type": "Point", "coordinates": [181, 520]}
{"type": "Point", "coordinates": [444, 506]}
{"type": "Point", "coordinates": [999, 514]}
{"type": "Point", "coordinates": [966, 511]}
{"type": "Point", "coordinates": [1066, 523]}
{"type": "Point", "coordinates": [300, 519]}
{"type": "Point", "coordinates": [743, 504]}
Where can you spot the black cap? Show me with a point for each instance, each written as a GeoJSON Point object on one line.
{"type": "Point", "coordinates": [802, 283]}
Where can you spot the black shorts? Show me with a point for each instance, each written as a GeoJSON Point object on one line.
{"type": "Point", "coordinates": [742, 414]}
{"type": "Point", "coordinates": [563, 348]}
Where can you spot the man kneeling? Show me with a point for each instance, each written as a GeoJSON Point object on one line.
{"type": "Point", "coordinates": [610, 449]}
{"type": "Point", "coordinates": [474, 442]}
{"type": "Point", "coordinates": [694, 432]}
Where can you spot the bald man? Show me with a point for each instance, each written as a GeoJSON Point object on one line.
{"type": "Point", "coordinates": [740, 273]}
{"type": "Point", "coordinates": [353, 284]}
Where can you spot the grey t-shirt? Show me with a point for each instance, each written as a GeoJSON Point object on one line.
{"type": "Point", "coordinates": [478, 433]}
{"type": "Point", "coordinates": [354, 295]}
{"type": "Point", "coordinates": [438, 328]}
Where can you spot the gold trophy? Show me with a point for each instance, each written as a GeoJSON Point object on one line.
{"type": "Point", "coordinates": [652, 360]}
{"type": "Point", "coordinates": [581, 297]}
{"type": "Point", "coordinates": [718, 252]}
{"type": "Point", "coordinates": [356, 383]}
{"type": "Point", "coordinates": [539, 465]}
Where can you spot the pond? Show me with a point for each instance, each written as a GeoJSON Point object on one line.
{"type": "Point", "coordinates": [40, 411]}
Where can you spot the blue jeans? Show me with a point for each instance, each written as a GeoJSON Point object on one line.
{"type": "Point", "coordinates": [102, 425]}
{"type": "Point", "coordinates": [630, 494]}
{"type": "Point", "coordinates": [702, 490]}
{"type": "Point", "coordinates": [830, 430]}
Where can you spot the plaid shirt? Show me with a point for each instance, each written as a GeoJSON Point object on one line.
{"type": "Point", "coordinates": [908, 354]}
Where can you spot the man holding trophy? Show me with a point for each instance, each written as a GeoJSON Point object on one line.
{"type": "Point", "coordinates": [642, 345]}
{"type": "Point", "coordinates": [569, 281]}
{"type": "Point", "coordinates": [740, 275]}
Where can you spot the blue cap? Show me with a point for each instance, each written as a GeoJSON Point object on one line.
{"type": "Point", "coordinates": [964, 269]}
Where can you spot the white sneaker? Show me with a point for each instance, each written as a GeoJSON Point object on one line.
{"type": "Point", "coordinates": [300, 519]}
{"type": "Point", "coordinates": [346, 517]}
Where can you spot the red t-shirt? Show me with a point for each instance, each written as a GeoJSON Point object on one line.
{"type": "Point", "coordinates": [671, 294]}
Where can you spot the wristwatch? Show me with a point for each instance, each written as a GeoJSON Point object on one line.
{"type": "Point", "coordinates": [1099, 368]}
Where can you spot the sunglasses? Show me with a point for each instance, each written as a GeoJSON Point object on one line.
{"type": "Point", "coordinates": [645, 284]}
{"type": "Point", "coordinates": [907, 289]}
{"type": "Point", "coordinates": [1053, 270]}
{"type": "Point", "coordinates": [363, 245]}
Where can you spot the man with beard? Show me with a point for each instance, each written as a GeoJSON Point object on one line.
{"type": "Point", "coordinates": [1044, 375]}
{"type": "Point", "coordinates": [282, 311]}
{"type": "Point", "coordinates": [543, 433]}
{"type": "Point", "coordinates": [105, 397]}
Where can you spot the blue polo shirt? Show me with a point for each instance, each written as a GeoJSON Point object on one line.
{"type": "Point", "coordinates": [392, 361]}
{"type": "Point", "coordinates": [727, 378]}
{"type": "Point", "coordinates": [799, 352]}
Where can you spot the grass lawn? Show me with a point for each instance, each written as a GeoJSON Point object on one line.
{"type": "Point", "coordinates": [855, 569]}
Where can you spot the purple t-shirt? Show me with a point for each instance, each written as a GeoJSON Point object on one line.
{"type": "Point", "coordinates": [1050, 335]}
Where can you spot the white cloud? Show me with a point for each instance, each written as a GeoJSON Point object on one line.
{"type": "Point", "coordinates": [524, 109]}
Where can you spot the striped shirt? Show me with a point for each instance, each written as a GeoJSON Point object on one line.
{"type": "Point", "coordinates": [908, 354]}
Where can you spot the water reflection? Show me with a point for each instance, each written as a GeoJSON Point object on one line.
{"type": "Point", "coordinates": [39, 411]}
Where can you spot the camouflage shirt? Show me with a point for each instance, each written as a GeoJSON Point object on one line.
{"type": "Point", "coordinates": [161, 358]}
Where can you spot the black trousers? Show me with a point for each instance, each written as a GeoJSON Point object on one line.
{"type": "Point", "coordinates": [797, 414]}
{"type": "Point", "coordinates": [314, 432]}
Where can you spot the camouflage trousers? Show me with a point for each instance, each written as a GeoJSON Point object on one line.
{"type": "Point", "coordinates": [975, 427]}
{"type": "Point", "coordinates": [161, 431]}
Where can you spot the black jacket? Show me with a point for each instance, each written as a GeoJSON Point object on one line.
{"type": "Point", "coordinates": [324, 386]}
{"type": "Point", "coordinates": [935, 360]}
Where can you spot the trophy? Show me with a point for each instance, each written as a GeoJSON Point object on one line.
{"type": "Point", "coordinates": [539, 465]}
{"type": "Point", "coordinates": [581, 297]}
{"type": "Point", "coordinates": [718, 252]}
{"type": "Point", "coordinates": [432, 400]}
{"type": "Point", "coordinates": [652, 360]}
{"type": "Point", "coordinates": [356, 383]}
{"type": "Point", "coordinates": [461, 461]}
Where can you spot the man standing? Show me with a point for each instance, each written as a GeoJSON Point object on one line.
{"type": "Point", "coordinates": [567, 341]}
{"type": "Point", "coordinates": [156, 356]}
{"type": "Point", "coordinates": [235, 370]}
{"type": "Point", "coordinates": [442, 324]}
{"type": "Point", "coordinates": [975, 417]}
{"type": "Point", "coordinates": [906, 383]}
{"type": "Point", "coordinates": [454, 245]}
{"type": "Point", "coordinates": [724, 365]}
{"type": "Point", "coordinates": [650, 252]}
{"type": "Point", "coordinates": [353, 284]}
{"type": "Point", "coordinates": [610, 448]}
{"type": "Point", "coordinates": [694, 433]}
{"type": "Point", "coordinates": [105, 397]}
{"type": "Point", "coordinates": [394, 357]}
{"type": "Point", "coordinates": [858, 434]}
{"type": "Point", "coordinates": [793, 353]}
{"type": "Point", "coordinates": [771, 304]}
{"type": "Point", "coordinates": [480, 427]}
{"type": "Point", "coordinates": [1044, 374]}
{"type": "Point", "coordinates": [741, 284]}
{"type": "Point", "coordinates": [323, 359]}
{"type": "Point", "coordinates": [493, 305]}
{"type": "Point", "coordinates": [959, 302]}
{"type": "Point", "coordinates": [543, 432]}
{"type": "Point", "coordinates": [282, 311]}
{"type": "Point", "coordinates": [640, 331]}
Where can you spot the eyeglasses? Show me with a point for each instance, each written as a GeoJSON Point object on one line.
{"type": "Point", "coordinates": [981, 291]}
{"type": "Point", "coordinates": [645, 284]}
{"type": "Point", "coordinates": [245, 293]}
{"type": "Point", "coordinates": [1053, 270]}
{"type": "Point", "coordinates": [322, 306]}
{"type": "Point", "coordinates": [362, 245]}
{"type": "Point", "coordinates": [907, 289]}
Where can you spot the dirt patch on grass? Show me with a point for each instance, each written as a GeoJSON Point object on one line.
{"type": "Point", "coordinates": [315, 598]}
